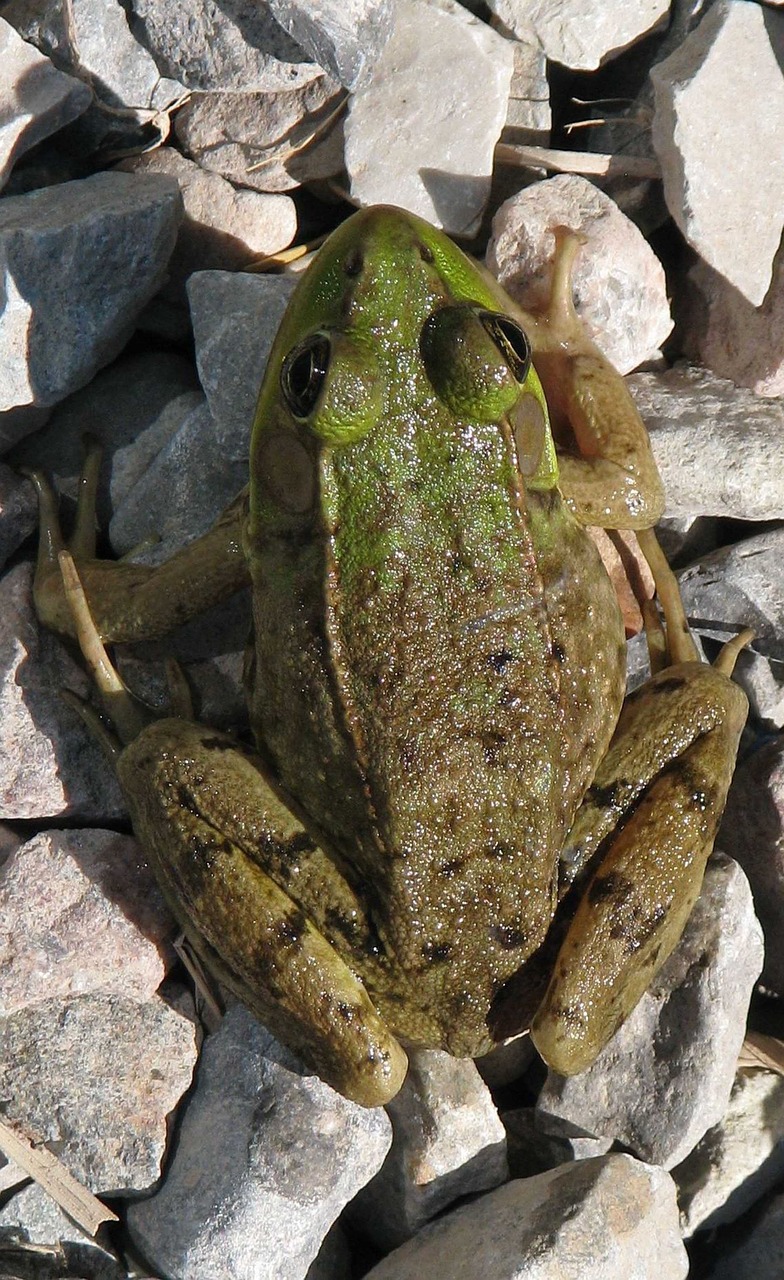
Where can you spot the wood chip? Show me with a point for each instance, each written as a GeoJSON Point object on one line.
{"type": "Point", "coordinates": [762, 1052]}
{"type": "Point", "coordinates": [51, 1174]}
{"type": "Point", "coordinates": [593, 162]}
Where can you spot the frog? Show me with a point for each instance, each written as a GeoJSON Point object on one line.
{"type": "Point", "coordinates": [450, 826]}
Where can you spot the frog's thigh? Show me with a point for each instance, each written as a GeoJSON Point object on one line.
{"type": "Point", "coordinates": [651, 816]}
{"type": "Point", "coordinates": [203, 813]}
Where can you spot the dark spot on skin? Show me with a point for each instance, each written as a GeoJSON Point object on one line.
{"type": "Point", "coordinates": [436, 952]}
{"type": "Point", "coordinates": [559, 653]}
{"type": "Point", "coordinates": [291, 928]}
{"type": "Point", "coordinates": [448, 870]}
{"type": "Point", "coordinates": [216, 744]}
{"type": "Point", "coordinates": [353, 263]}
{"type": "Point", "coordinates": [508, 937]}
{"type": "Point", "coordinates": [185, 801]}
{"type": "Point", "coordinates": [492, 745]}
{"type": "Point", "coordinates": [500, 660]}
{"type": "Point", "coordinates": [498, 850]}
{"type": "Point", "coordinates": [613, 885]}
{"type": "Point", "coordinates": [345, 1010]}
{"type": "Point", "coordinates": [567, 1014]}
{"type": "Point", "coordinates": [337, 923]}
{"type": "Point", "coordinates": [425, 253]}
{"type": "Point", "coordinates": [667, 685]}
{"type": "Point", "coordinates": [608, 797]}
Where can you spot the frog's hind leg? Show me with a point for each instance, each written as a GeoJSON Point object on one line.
{"type": "Point", "coordinates": [250, 888]}
{"type": "Point", "coordinates": [637, 850]}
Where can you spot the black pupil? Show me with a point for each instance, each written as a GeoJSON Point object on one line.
{"type": "Point", "coordinates": [511, 341]}
{"type": "Point", "coordinates": [303, 374]}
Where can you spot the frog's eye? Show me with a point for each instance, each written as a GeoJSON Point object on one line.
{"type": "Point", "coordinates": [332, 383]}
{"type": "Point", "coordinates": [303, 373]}
{"type": "Point", "coordinates": [511, 340]}
{"type": "Point", "coordinates": [476, 360]}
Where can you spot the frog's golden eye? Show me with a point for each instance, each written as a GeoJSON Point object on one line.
{"type": "Point", "coordinates": [477, 360]}
{"type": "Point", "coordinates": [303, 374]}
{"type": "Point", "coordinates": [511, 340]}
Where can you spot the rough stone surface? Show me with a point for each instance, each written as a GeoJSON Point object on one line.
{"type": "Point", "coordinates": [734, 338]}
{"type": "Point", "coordinates": [18, 511]}
{"type": "Point", "coordinates": [448, 1142]}
{"type": "Point", "coordinates": [738, 1160]}
{"type": "Point", "coordinates": [739, 586]}
{"type": "Point", "coordinates": [665, 1077]}
{"type": "Point", "coordinates": [264, 140]}
{"type": "Point", "coordinates": [80, 913]}
{"type": "Point", "coordinates": [50, 764]}
{"type": "Point", "coordinates": [719, 183]}
{"type": "Point", "coordinates": [528, 114]}
{"type": "Point", "coordinates": [96, 1076]}
{"type": "Point", "coordinates": [579, 34]}
{"type": "Point", "coordinates": [134, 408]}
{"type": "Point", "coordinates": [81, 259]}
{"type": "Point", "coordinates": [235, 320]}
{"type": "Point", "coordinates": [223, 228]}
{"type": "Point", "coordinates": [753, 832]}
{"type": "Point", "coordinates": [265, 1161]}
{"type": "Point", "coordinates": [619, 287]}
{"type": "Point", "coordinates": [237, 44]}
{"type": "Point", "coordinates": [35, 98]}
{"type": "Point", "coordinates": [718, 447]}
{"type": "Point", "coordinates": [444, 79]}
{"type": "Point", "coordinates": [345, 37]}
{"type": "Point", "coordinates": [181, 494]}
{"type": "Point", "coordinates": [610, 1216]}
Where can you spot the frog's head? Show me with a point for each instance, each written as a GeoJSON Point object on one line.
{"type": "Point", "coordinates": [390, 314]}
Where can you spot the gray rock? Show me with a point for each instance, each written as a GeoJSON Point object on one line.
{"type": "Point", "coordinates": [81, 260]}
{"type": "Point", "coordinates": [753, 832]}
{"type": "Point", "coordinates": [738, 1160]}
{"type": "Point", "coordinates": [736, 339]}
{"type": "Point", "coordinates": [182, 492]}
{"type": "Point", "coordinates": [739, 586]}
{"type": "Point", "coordinates": [235, 320]}
{"type": "Point", "coordinates": [717, 446]}
{"type": "Point", "coordinates": [80, 913]}
{"type": "Point", "coordinates": [345, 37]}
{"type": "Point", "coordinates": [223, 228]}
{"type": "Point", "coordinates": [97, 1076]}
{"type": "Point", "coordinates": [756, 676]}
{"type": "Point", "coordinates": [50, 764]}
{"type": "Point", "coordinates": [35, 98]}
{"type": "Point", "coordinates": [732, 214]}
{"type": "Point", "coordinates": [665, 1077]}
{"type": "Point", "coordinates": [134, 408]}
{"type": "Point", "coordinates": [507, 1062]}
{"type": "Point", "coordinates": [18, 512]}
{"type": "Point", "coordinates": [532, 1151]}
{"type": "Point", "coordinates": [448, 1142]}
{"type": "Point", "coordinates": [31, 1216]}
{"type": "Point", "coordinates": [528, 114]}
{"type": "Point", "coordinates": [265, 1161]}
{"type": "Point", "coordinates": [619, 287]}
{"type": "Point", "coordinates": [759, 1254]}
{"type": "Point", "coordinates": [236, 44]}
{"type": "Point", "coordinates": [610, 1216]}
{"type": "Point", "coordinates": [270, 140]}
{"type": "Point", "coordinates": [577, 34]}
{"type": "Point", "coordinates": [444, 78]}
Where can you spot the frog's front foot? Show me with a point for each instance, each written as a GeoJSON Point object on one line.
{"type": "Point", "coordinates": [131, 602]}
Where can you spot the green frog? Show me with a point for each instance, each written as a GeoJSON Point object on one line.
{"type": "Point", "coordinates": [445, 800]}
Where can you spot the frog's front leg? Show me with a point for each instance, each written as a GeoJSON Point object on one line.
{"type": "Point", "coordinates": [643, 834]}
{"type": "Point", "coordinates": [133, 601]}
{"type": "Point", "coordinates": [257, 898]}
